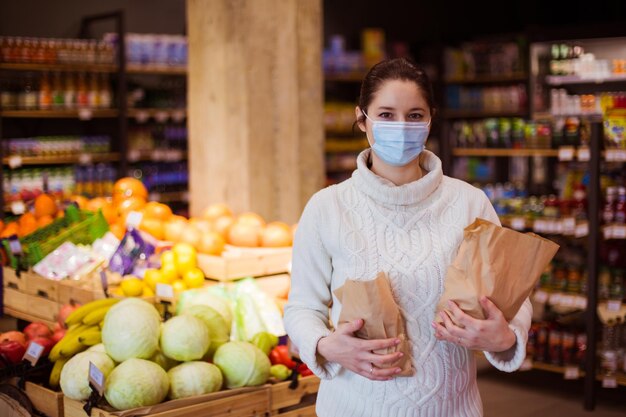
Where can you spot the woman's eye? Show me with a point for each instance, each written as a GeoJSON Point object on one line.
{"type": "Point", "coordinates": [415, 116]}
{"type": "Point", "coordinates": [385, 115]}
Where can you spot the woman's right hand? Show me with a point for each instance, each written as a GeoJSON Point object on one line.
{"type": "Point", "coordinates": [357, 355]}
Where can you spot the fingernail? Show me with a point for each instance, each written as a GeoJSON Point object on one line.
{"type": "Point", "coordinates": [434, 325]}
{"type": "Point", "coordinates": [397, 371]}
{"type": "Point", "coordinates": [398, 341]}
{"type": "Point", "coordinates": [400, 354]}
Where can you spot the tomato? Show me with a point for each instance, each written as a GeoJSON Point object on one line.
{"type": "Point", "coordinates": [304, 370]}
{"type": "Point", "coordinates": [280, 356]}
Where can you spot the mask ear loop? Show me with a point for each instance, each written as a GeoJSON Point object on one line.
{"type": "Point", "coordinates": [366, 135]}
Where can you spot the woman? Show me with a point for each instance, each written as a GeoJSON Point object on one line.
{"type": "Point", "coordinates": [397, 214]}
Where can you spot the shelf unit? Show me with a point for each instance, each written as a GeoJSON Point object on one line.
{"type": "Point", "coordinates": [82, 114]}
{"type": "Point", "coordinates": [83, 159]}
{"type": "Point", "coordinates": [486, 152]}
{"type": "Point", "coordinates": [59, 67]}
{"type": "Point", "coordinates": [481, 114]}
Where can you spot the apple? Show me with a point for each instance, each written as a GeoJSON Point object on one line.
{"type": "Point", "coordinates": [58, 335]}
{"type": "Point", "coordinates": [37, 329]}
{"type": "Point", "coordinates": [64, 311]}
{"type": "Point", "coordinates": [46, 342]}
{"type": "Point", "coordinates": [15, 336]}
{"type": "Point", "coordinates": [12, 350]}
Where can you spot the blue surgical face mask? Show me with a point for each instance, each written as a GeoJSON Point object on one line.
{"type": "Point", "coordinates": [398, 143]}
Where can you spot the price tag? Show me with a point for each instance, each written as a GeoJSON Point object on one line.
{"type": "Point", "coordinates": [85, 159]}
{"type": "Point", "coordinates": [15, 161]}
{"type": "Point", "coordinates": [518, 223]}
{"type": "Point", "coordinates": [582, 229]}
{"type": "Point", "coordinates": [569, 225]}
{"type": "Point", "coordinates": [134, 219]}
{"type": "Point", "coordinates": [165, 292]}
{"type": "Point", "coordinates": [15, 245]}
{"type": "Point", "coordinates": [33, 353]}
{"type": "Point", "coordinates": [104, 281]}
{"type": "Point", "coordinates": [609, 382]}
{"type": "Point", "coordinates": [142, 116]}
{"type": "Point", "coordinates": [156, 155]}
{"type": "Point", "coordinates": [584, 154]}
{"type": "Point", "coordinates": [621, 155]}
{"type": "Point", "coordinates": [555, 299]}
{"type": "Point", "coordinates": [541, 296]}
{"type": "Point", "coordinates": [85, 114]}
{"type": "Point", "coordinates": [618, 232]}
{"type": "Point", "coordinates": [566, 153]}
{"type": "Point", "coordinates": [134, 155]}
{"type": "Point", "coordinates": [581, 302]}
{"type": "Point", "coordinates": [178, 115]}
{"type": "Point", "coordinates": [571, 372]}
{"type": "Point", "coordinates": [614, 305]}
{"type": "Point", "coordinates": [96, 378]}
{"type": "Point", "coordinates": [18, 207]}
{"type": "Point", "coordinates": [527, 365]}
{"type": "Point", "coordinates": [607, 232]}
{"type": "Point", "coordinates": [161, 116]}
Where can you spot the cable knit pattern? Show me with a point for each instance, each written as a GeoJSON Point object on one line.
{"type": "Point", "coordinates": [365, 225]}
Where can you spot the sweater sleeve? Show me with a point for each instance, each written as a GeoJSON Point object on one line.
{"type": "Point", "coordinates": [511, 359]}
{"type": "Point", "coordinates": [307, 310]}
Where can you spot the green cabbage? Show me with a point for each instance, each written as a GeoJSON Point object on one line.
{"type": "Point", "coordinates": [136, 383]}
{"type": "Point", "coordinates": [194, 378]}
{"type": "Point", "coordinates": [185, 338]}
{"type": "Point", "coordinates": [163, 361]}
{"type": "Point", "coordinates": [131, 330]}
{"type": "Point", "coordinates": [219, 331]}
{"type": "Point", "coordinates": [243, 364]}
{"type": "Point", "coordinates": [97, 348]}
{"type": "Point", "coordinates": [202, 296]}
{"type": "Point", "coordinates": [75, 374]}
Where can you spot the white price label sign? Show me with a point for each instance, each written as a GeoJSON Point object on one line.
{"type": "Point", "coordinates": [156, 155]}
{"type": "Point", "coordinates": [620, 155]}
{"type": "Point", "coordinates": [609, 382]}
{"type": "Point", "coordinates": [541, 297]}
{"type": "Point", "coordinates": [618, 232]}
{"type": "Point", "coordinates": [607, 232]}
{"type": "Point", "coordinates": [133, 220]}
{"type": "Point", "coordinates": [581, 302]}
{"type": "Point", "coordinates": [142, 116]}
{"type": "Point", "coordinates": [96, 378]}
{"type": "Point", "coordinates": [571, 372]}
{"type": "Point", "coordinates": [611, 155]}
{"type": "Point", "coordinates": [33, 353]}
{"type": "Point", "coordinates": [15, 161]}
{"type": "Point", "coordinates": [614, 305]}
{"type": "Point", "coordinates": [582, 229]}
{"type": "Point", "coordinates": [178, 115]}
{"type": "Point", "coordinates": [569, 225]}
{"type": "Point", "coordinates": [85, 159]}
{"type": "Point", "coordinates": [165, 292]}
{"type": "Point", "coordinates": [85, 114]}
{"type": "Point", "coordinates": [134, 155]}
{"type": "Point", "coordinates": [518, 223]}
{"type": "Point", "coordinates": [161, 116]}
{"type": "Point", "coordinates": [566, 153]}
{"type": "Point", "coordinates": [18, 207]}
{"type": "Point", "coordinates": [584, 154]}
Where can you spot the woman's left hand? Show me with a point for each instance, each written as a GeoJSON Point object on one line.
{"type": "Point", "coordinates": [491, 334]}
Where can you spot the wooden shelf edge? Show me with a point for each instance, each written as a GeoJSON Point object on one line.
{"type": "Point", "coordinates": [131, 69]}
{"type": "Point", "coordinates": [58, 67]}
{"type": "Point", "coordinates": [60, 160]}
{"type": "Point", "coordinates": [488, 79]}
{"type": "Point", "coordinates": [553, 153]}
{"type": "Point", "coordinates": [24, 316]}
{"type": "Point", "coordinates": [576, 79]}
{"type": "Point", "coordinates": [481, 114]}
{"type": "Point", "coordinates": [60, 114]}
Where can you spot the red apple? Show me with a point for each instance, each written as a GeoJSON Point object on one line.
{"type": "Point", "coordinates": [47, 344]}
{"type": "Point", "coordinates": [58, 335]}
{"type": "Point", "coordinates": [14, 335]}
{"type": "Point", "coordinates": [64, 311]}
{"type": "Point", "coordinates": [12, 350]}
{"type": "Point", "coordinates": [37, 329]}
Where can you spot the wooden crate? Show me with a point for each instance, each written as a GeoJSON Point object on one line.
{"type": "Point", "coordinates": [41, 287]}
{"type": "Point", "coordinates": [45, 400]}
{"type": "Point", "coordinates": [242, 402]}
{"type": "Point", "coordinates": [11, 280]}
{"type": "Point", "coordinates": [295, 402]}
{"type": "Point", "coordinates": [81, 292]}
{"type": "Point", "coordinates": [238, 263]}
{"type": "Point", "coordinates": [30, 307]}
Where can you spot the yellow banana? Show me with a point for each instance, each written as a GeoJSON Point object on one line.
{"type": "Point", "coordinates": [55, 375]}
{"type": "Point", "coordinates": [77, 315]}
{"type": "Point", "coordinates": [91, 337]}
{"type": "Point", "coordinates": [55, 352]}
{"type": "Point", "coordinates": [96, 316]}
{"type": "Point", "coordinates": [72, 347]}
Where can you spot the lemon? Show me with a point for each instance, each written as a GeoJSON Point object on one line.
{"type": "Point", "coordinates": [147, 292]}
{"type": "Point", "coordinates": [169, 272]}
{"type": "Point", "coordinates": [152, 277]}
{"type": "Point", "coordinates": [179, 285]}
{"type": "Point", "coordinates": [132, 287]}
{"type": "Point", "coordinates": [167, 258]}
{"type": "Point", "coordinates": [185, 257]}
{"type": "Point", "coordinates": [194, 278]}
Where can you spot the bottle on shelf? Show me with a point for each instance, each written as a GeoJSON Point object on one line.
{"type": "Point", "coordinates": [58, 94]}
{"type": "Point", "coordinates": [608, 352]}
{"type": "Point", "coordinates": [93, 95]}
{"type": "Point", "coordinates": [620, 206]}
{"type": "Point", "coordinates": [27, 99]}
{"type": "Point", "coordinates": [70, 92]}
{"type": "Point", "coordinates": [82, 95]}
{"type": "Point", "coordinates": [106, 97]}
{"type": "Point", "coordinates": [45, 93]}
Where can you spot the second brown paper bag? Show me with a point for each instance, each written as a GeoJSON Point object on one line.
{"type": "Point", "coordinates": [497, 262]}
{"type": "Point", "coordinates": [373, 302]}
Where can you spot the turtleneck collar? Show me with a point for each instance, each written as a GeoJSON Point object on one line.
{"type": "Point", "coordinates": [385, 192]}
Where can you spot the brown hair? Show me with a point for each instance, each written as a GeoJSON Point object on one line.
{"type": "Point", "coordinates": [394, 69]}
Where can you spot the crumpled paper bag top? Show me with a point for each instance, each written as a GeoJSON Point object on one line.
{"type": "Point", "coordinates": [373, 302]}
{"type": "Point", "coordinates": [497, 262]}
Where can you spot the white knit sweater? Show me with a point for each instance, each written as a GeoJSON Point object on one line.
{"type": "Point", "coordinates": [366, 225]}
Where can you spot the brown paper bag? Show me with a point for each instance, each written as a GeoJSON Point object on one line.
{"type": "Point", "coordinates": [373, 302]}
{"type": "Point", "coordinates": [497, 262]}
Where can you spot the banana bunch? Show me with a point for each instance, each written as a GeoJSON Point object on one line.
{"type": "Point", "coordinates": [83, 330]}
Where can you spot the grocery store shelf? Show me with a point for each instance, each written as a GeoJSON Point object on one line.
{"type": "Point", "coordinates": [479, 114]}
{"type": "Point", "coordinates": [348, 77]}
{"type": "Point", "coordinates": [504, 152]}
{"type": "Point", "coordinates": [619, 378]}
{"type": "Point", "coordinates": [550, 116]}
{"type": "Point", "coordinates": [576, 79]}
{"type": "Point", "coordinates": [170, 196]}
{"type": "Point", "coordinates": [27, 317]}
{"type": "Point", "coordinates": [488, 79]}
{"type": "Point", "coordinates": [83, 159]}
{"type": "Point", "coordinates": [157, 155]}
{"type": "Point", "coordinates": [59, 67]}
{"type": "Point", "coordinates": [160, 115]}
{"type": "Point", "coordinates": [82, 114]}
{"type": "Point", "coordinates": [156, 70]}
{"type": "Point", "coordinates": [343, 145]}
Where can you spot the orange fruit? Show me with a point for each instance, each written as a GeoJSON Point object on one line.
{"type": "Point", "coordinates": [157, 211]}
{"type": "Point", "coordinates": [243, 234]}
{"type": "Point", "coordinates": [222, 224]}
{"type": "Point", "coordinates": [26, 229]}
{"type": "Point", "coordinates": [27, 219]}
{"type": "Point", "coordinates": [80, 200]}
{"type": "Point", "coordinates": [130, 204]}
{"type": "Point", "coordinates": [153, 226]}
{"type": "Point", "coordinates": [191, 235]}
{"type": "Point", "coordinates": [173, 230]}
{"type": "Point", "coordinates": [45, 206]}
{"type": "Point", "coordinates": [104, 204]}
{"type": "Point", "coordinates": [276, 234]}
{"type": "Point", "coordinates": [44, 221]}
{"type": "Point", "coordinates": [1, 225]}
{"type": "Point", "coordinates": [211, 243]}
{"type": "Point", "coordinates": [10, 229]}
{"type": "Point", "coordinates": [252, 219]}
{"type": "Point", "coordinates": [129, 187]}
{"type": "Point", "coordinates": [118, 230]}
{"type": "Point", "coordinates": [201, 224]}
{"type": "Point", "coordinates": [216, 210]}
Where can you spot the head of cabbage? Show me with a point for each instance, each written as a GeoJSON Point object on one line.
{"type": "Point", "coordinates": [219, 331]}
{"type": "Point", "coordinates": [185, 338]}
{"type": "Point", "coordinates": [202, 296]}
{"type": "Point", "coordinates": [75, 373]}
{"type": "Point", "coordinates": [243, 364]}
{"type": "Point", "coordinates": [136, 383]}
{"type": "Point", "coordinates": [163, 361]}
{"type": "Point", "coordinates": [131, 330]}
{"type": "Point", "coordinates": [194, 378]}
